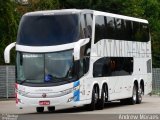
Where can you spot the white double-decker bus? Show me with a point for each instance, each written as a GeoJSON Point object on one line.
{"type": "Point", "coordinates": [81, 57]}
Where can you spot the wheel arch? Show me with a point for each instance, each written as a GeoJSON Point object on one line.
{"type": "Point", "coordinates": [136, 83]}
{"type": "Point", "coordinates": [142, 84]}
{"type": "Point", "coordinates": [95, 84]}
{"type": "Point", "coordinates": [106, 85]}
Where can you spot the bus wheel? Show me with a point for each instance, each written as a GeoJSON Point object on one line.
{"type": "Point", "coordinates": [51, 109]}
{"type": "Point", "coordinates": [40, 109]}
{"type": "Point", "coordinates": [94, 100]}
{"type": "Point", "coordinates": [139, 95]}
{"type": "Point", "coordinates": [133, 99]}
{"type": "Point", "coordinates": [124, 101]}
{"type": "Point", "coordinates": [102, 100]}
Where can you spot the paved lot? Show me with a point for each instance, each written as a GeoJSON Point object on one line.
{"type": "Point", "coordinates": [150, 105]}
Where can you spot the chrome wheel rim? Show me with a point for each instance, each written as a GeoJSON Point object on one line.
{"type": "Point", "coordinates": [140, 93]}
{"type": "Point", "coordinates": [96, 97]}
{"type": "Point", "coordinates": [134, 94]}
{"type": "Point", "coordinates": [104, 96]}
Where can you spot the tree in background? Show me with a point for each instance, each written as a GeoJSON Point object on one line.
{"type": "Point", "coordinates": [146, 9]}
{"type": "Point", "coordinates": [8, 26]}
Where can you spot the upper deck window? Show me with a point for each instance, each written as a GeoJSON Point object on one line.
{"type": "Point", "coordinates": [47, 30]}
{"type": "Point", "coordinates": [107, 27]}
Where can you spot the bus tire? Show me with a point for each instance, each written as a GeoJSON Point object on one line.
{"type": "Point", "coordinates": [94, 99]}
{"type": "Point", "coordinates": [133, 99]}
{"type": "Point", "coordinates": [124, 101]}
{"type": "Point", "coordinates": [139, 95]}
{"type": "Point", "coordinates": [39, 109]}
{"type": "Point", "coordinates": [51, 109]}
{"type": "Point", "coordinates": [101, 101]}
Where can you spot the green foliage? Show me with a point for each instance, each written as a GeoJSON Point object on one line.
{"type": "Point", "coordinates": [43, 5]}
{"type": "Point", "coordinates": [8, 26]}
{"type": "Point", "coordinates": [151, 12]}
{"type": "Point", "coordinates": [146, 9]}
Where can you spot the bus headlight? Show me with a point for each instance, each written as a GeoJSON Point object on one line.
{"type": "Point", "coordinates": [65, 92]}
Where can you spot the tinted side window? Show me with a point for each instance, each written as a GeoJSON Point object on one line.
{"type": "Point", "coordinates": [136, 32]}
{"type": "Point", "coordinates": [105, 28]}
{"type": "Point", "coordinates": [113, 66]}
{"type": "Point", "coordinates": [144, 32]}
{"type": "Point", "coordinates": [110, 28]}
{"type": "Point", "coordinates": [89, 19]}
{"type": "Point", "coordinates": [99, 28]}
{"type": "Point", "coordinates": [140, 32]}
{"type": "Point", "coordinates": [84, 58]}
{"type": "Point", "coordinates": [83, 27]}
{"type": "Point", "coordinates": [120, 29]}
{"type": "Point", "coordinates": [101, 67]}
{"type": "Point", "coordinates": [86, 25]}
{"type": "Point", "coordinates": [128, 30]}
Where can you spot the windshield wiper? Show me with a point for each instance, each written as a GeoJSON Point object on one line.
{"type": "Point", "coordinates": [23, 81]}
{"type": "Point", "coordinates": [61, 79]}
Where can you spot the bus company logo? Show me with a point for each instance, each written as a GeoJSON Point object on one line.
{"type": "Point", "coordinates": [44, 95]}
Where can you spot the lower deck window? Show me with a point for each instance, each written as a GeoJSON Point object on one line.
{"type": "Point", "coordinates": [113, 66]}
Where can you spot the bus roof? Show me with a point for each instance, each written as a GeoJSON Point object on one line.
{"type": "Point", "coordinates": [95, 12]}
{"type": "Point", "coordinates": [120, 16]}
{"type": "Point", "coordinates": [52, 12]}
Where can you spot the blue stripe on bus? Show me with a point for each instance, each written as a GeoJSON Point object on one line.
{"type": "Point", "coordinates": [76, 93]}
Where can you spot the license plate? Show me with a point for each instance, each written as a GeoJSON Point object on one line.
{"type": "Point", "coordinates": [44, 102]}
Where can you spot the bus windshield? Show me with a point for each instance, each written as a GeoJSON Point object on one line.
{"type": "Point", "coordinates": [48, 30]}
{"type": "Point", "coordinates": [46, 67]}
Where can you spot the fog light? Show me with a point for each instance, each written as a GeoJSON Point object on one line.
{"type": "Point", "coordinates": [70, 99]}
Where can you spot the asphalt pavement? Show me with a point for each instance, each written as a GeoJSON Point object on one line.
{"type": "Point", "coordinates": [149, 108]}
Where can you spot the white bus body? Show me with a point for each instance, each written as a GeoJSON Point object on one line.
{"type": "Point", "coordinates": [84, 57]}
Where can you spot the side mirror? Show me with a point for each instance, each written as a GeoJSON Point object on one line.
{"type": "Point", "coordinates": [7, 52]}
{"type": "Point", "coordinates": [77, 47]}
